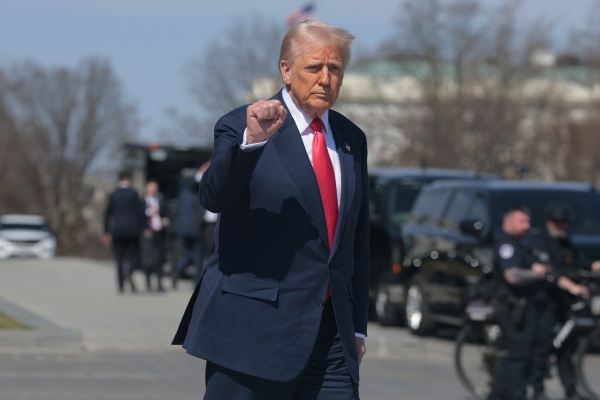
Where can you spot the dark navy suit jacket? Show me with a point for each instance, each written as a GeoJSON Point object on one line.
{"type": "Point", "coordinates": [124, 214]}
{"type": "Point", "coordinates": [258, 306]}
{"type": "Point", "coordinates": [189, 214]}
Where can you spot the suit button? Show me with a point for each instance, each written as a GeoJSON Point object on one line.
{"type": "Point", "coordinates": [320, 302]}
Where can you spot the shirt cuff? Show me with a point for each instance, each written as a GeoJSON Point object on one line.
{"type": "Point", "coordinates": [360, 335]}
{"type": "Point", "coordinates": [249, 147]}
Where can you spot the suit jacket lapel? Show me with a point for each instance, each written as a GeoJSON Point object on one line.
{"type": "Point", "coordinates": [291, 149]}
{"type": "Point", "coordinates": [348, 177]}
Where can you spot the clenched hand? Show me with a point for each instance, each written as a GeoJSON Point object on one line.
{"type": "Point", "coordinates": [263, 119]}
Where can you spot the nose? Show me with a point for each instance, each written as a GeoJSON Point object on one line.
{"type": "Point", "coordinates": [325, 76]}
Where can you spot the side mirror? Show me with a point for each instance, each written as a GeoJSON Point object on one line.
{"type": "Point", "coordinates": [471, 227]}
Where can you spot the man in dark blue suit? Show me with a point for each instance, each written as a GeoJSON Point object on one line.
{"type": "Point", "coordinates": [188, 226]}
{"type": "Point", "coordinates": [281, 309]}
{"type": "Point", "coordinates": [123, 224]}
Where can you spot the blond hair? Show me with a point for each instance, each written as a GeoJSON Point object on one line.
{"type": "Point", "coordinates": [307, 30]}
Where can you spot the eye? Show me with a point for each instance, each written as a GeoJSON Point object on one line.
{"type": "Point", "coordinates": [335, 68]}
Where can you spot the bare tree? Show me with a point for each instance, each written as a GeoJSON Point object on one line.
{"type": "Point", "coordinates": [63, 120]}
{"type": "Point", "coordinates": [9, 159]}
{"type": "Point", "coordinates": [473, 66]}
{"type": "Point", "coordinates": [221, 76]}
{"type": "Point", "coordinates": [587, 39]}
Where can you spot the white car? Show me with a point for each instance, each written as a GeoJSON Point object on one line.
{"type": "Point", "coordinates": [25, 235]}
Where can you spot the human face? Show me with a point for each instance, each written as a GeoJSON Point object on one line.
{"type": "Point", "coordinates": [151, 188]}
{"type": "Point", "coordinates": [558, 229]}
{"type": "Point", "coordinates": [517, 223]}
{"type": "Point", "coordinates": [314, 77]}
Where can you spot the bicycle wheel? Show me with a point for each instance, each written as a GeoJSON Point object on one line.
{"type": "Point", "coordinates": [477, 354]}
{"type": "Point", "coordinates": [587, 364]}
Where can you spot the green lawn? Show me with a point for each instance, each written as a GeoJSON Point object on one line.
{"type": "Point", "coordinates": [7, 322]}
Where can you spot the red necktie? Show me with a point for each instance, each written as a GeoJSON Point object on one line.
{"type": "Point", "coordinates": [325, 178]}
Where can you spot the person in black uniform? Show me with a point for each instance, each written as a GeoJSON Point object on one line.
{"type": "Point", "coordinates": [553, 246]}
{"type": "Point", "coordinates": [523, 312]}
{"type": "Point", "coordinates": [123, 224]}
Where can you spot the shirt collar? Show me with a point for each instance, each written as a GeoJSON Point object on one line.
{"type": "Point", "coordinates": [300, 118]}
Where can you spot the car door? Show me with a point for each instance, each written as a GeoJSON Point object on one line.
{"type": "Point", "coordinates": [419, 232]}
{"type": "Point", "coordinates": [443, 272]}
{"type": "Point", "coordinates": [458, 263]}
{"type": "Point", "coordinates": [472, 254]}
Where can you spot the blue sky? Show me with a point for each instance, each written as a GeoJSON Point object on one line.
{"type": "Point", "coordinates": [149, 42]}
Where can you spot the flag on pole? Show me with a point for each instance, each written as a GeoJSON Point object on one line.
{"type": "Point", "coordinates": [306, 12]}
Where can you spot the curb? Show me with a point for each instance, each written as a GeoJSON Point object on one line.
{"type": "Point", "coordinates": [42, 335]}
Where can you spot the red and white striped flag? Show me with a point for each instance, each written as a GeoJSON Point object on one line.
{"type": "Point", "coordinates": [306, 12]}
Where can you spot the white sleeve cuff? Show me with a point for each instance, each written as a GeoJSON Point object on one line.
{"type": "Point", "coordinates": [360, 335]}
{"type": "Point", "coordinates": [249, 147]}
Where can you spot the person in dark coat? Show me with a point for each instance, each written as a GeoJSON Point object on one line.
{"type": "Point", "coordinates": [281, 309]}
{"type": "Point", "coordinates": [123, 225]}
{"type": "Point", "coordinates": [555, 248]}
{"type": "Point", "coordinates": [189, 230]}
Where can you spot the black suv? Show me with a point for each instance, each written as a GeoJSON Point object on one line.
{"type": "Point", "coordinates": [392, 193]}
{"type": "Point", "coordinates": [450, 235]}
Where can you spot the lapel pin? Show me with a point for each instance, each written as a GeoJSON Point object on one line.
{"type": "Point", "coordinates": [348, 147]}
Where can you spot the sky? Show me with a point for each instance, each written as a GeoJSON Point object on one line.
{"type": "Point", "coordinates": [149, 42]}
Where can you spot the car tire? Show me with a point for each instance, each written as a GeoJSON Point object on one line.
{"type": "Point", "coordinates": [416, 310]}
{"type": "Point", "coordinates": [387, 314]}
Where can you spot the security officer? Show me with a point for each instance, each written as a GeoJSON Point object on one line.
{"type": "Point", "coordinates": [523, 312]}
{"type": "Point", "coordinates": [553, 246]}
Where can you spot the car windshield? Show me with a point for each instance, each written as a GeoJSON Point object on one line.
{"type": "Point", "coordinates": [585, 207]}
{"type": "Point", "coordinates": [401, 199]}
{"type": "Point", "coordinates": [23, 226]}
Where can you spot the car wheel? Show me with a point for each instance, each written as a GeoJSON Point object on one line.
{"type": "Point", "coordinates": [387, 315]}
{"type": "Point", "coordinates": [417, 314]}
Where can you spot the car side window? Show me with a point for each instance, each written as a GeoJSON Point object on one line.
{"type": "Point", "coordinates": [375, 195]}
{"type": "Point", "coordinates": [419, 212]}
{"type": "Point", "coordinates": [478, 210]}
{"type": "Point", "coordinates": [457, 209]}
{"type": "Point", "coordinates": [429, 206]}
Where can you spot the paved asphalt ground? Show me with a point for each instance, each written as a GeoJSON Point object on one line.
{"type": "Point", "coordinates": [105, 346]}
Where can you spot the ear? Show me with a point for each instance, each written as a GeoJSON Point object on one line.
{"type": "Point", "coordinates": [286, 72]}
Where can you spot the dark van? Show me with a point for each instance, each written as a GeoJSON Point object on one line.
{"type": "Point", "coordinates": [392, 193]}
{"type": "Point", "coordinates": [450, 234]}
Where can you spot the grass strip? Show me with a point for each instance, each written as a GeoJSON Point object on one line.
{"type": "Point", "coordinates": [7, 322]}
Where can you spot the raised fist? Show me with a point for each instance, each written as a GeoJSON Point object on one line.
{"type": "Point", "coordinates": [263, 119]}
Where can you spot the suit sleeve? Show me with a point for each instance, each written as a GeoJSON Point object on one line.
{"type": "Point", "coordinates": [231, 168]}
{"type": "Point", "coordinates": [360, 280]}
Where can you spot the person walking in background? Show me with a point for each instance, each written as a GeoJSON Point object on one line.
{"type": "Point", "coordinates": [153, 247]}
{"type": "Point", "coordinates": [123, 225]}
{"type": "Point", "coordinates": [190, 215]}
{"type": "Point", "coordinates": [281, 308]}
{"type": "Point", "coordinates": [209, 221]}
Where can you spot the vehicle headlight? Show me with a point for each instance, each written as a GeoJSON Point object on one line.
{"type": "Point", "coordinates": [595, 305]}
{"type": "Point", "coordinates": [48, 242]}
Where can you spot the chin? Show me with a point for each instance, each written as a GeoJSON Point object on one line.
{"type": "Point", "coordinates": [320, 107]}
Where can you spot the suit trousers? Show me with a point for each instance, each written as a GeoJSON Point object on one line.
{"type": "Point", "coordinates": [191, 249]}
{"type": "Point", "coordinates": [527, 351]}
{"type": "Point", "coordinates": [123, 247]}
{"type": "Point", "coordinates": [155, 258]}
{"type": "Point", "coordinates": [326, 376]}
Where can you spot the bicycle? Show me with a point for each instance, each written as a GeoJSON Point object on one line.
{"type": "Point", "coordinates": [479, 345]}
